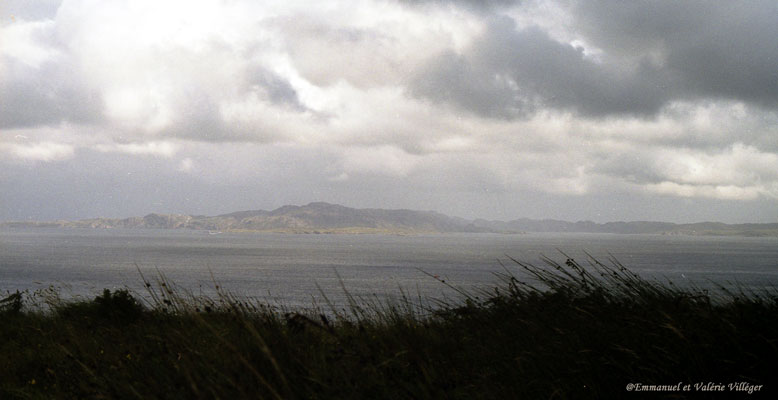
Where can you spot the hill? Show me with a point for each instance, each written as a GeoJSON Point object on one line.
{"type": "Point", "coordinates": [320, 217]}
{"type": "Point", "coordinates": [316, 217]}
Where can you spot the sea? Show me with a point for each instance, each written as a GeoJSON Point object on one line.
{"type": "Point", "coordinates": [314, 270]}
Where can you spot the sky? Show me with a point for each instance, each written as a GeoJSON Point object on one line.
{"type": "Point", "coordinates": [577, 110]}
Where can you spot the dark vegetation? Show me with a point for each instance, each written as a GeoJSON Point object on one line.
{"type": "Point", "coordinates": [574, 332]}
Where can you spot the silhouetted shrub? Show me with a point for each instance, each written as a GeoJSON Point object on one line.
{"type": "Point", "coordinates": [11, 304]}
{"type": "Point", "coordinates": [118, 305]}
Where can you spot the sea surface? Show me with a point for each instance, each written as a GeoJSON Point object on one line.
{"type": "Point", "coordinates": [301, 270]}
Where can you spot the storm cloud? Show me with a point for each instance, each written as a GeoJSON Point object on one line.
{"type": "Point", "coordinates": [642, 56]}
{"type": "Point", "coordinates": [511, 73]}
{"type": "Point", "coordinates": [713, 49]}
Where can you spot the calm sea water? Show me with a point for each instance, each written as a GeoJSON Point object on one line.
{"type": "Point", "coordinates": [295, 270]}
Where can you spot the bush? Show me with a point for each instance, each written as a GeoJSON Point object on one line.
{"type": "Point", "coordinates": [11, 304]}
{"type": "Point", "coordinates": [119, 305]}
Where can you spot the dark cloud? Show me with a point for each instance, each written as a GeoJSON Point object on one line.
{"type": "Point", "coordinates": [49, 94]}
{"type": "Point", "coordinates": [639, 168]}
{"type": "Point", "coordinates": [509, 72]}
{"type": "Point", "coordinates": [453, 79]}
{"type": "Point", "coordinates": [713, 48]}
{"type": "Point", "coordinates": [273, 87]}
{"type": "Point", "coordinates": [49, 88]}
{"type": "Point", "coordinates": [197, 117]}
{"type": "Point", "coordinates": [198, 114]}
{"type": "Point", "coordinates": [654, 53]}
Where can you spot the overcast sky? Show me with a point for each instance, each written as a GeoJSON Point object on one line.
{"type": "Point", "coordinates": [598, 110]}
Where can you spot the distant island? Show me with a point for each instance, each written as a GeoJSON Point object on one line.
{"type": "Point", "coordinates": [320, 217]}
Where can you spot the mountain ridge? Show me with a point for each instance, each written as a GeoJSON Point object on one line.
{"type": "Point", "coordinates": [322, 217]}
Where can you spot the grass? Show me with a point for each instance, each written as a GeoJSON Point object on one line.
{"type": "Point", "coordinates": [574, 332]}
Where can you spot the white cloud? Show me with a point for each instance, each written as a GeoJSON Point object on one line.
{"type": "Point", "coordinates": [726, 192]}
{"type": "Point", "coordinates": [159, 149]}
{"type": "Point", "coordinates": [40, 151]}
{"type": "Point", "coordinates": [26, 41]}
{"type": "Point", "coordinates": [186, 165]}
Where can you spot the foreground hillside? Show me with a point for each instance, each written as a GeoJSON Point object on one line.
{"type": "Point", "coordinates": [590, 333]}
{"type": "Point", "coordinates": [332, 218]}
